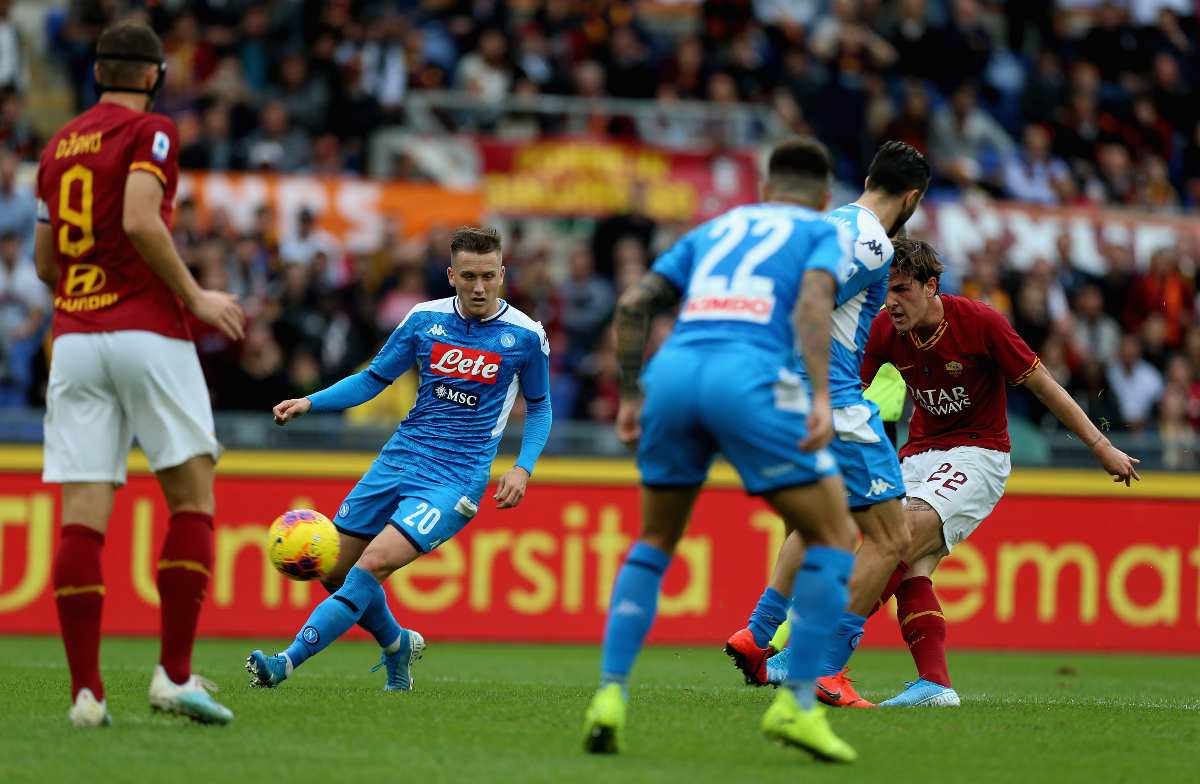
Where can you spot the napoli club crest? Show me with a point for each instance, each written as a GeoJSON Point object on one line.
{"type": "Point", "coordinates": [508, 340]}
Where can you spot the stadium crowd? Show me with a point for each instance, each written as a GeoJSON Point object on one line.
{"type": "Point", "coordinates": [1073, 102]}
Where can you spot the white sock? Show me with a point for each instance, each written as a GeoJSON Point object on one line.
{"type": "Point", "coordinates": [395, 646]}
{"type": "Point", "coordinates": [288, 669]}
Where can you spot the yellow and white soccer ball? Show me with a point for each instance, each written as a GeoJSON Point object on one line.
{"type": "Point", "coordinates": [303, 544]}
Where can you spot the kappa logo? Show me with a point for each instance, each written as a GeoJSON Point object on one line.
{"type": "Point", "coordinates": [954, 368]}
{"type": "Point", "coordinates": [456, 396]}
{"type": "Point", "coordinates": [875, 246]}
{"type": "Point", "coordinates": [879, 487]}
{"type": "Point", "coordinates": [437, 330]}
{"type": "Point", "coordinates": [628, 607]}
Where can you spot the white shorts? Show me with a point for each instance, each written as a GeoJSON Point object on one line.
{"type": "Point", "coordinates": [108, 387]}
{"type": "Point", "coordinates": [963, 485]}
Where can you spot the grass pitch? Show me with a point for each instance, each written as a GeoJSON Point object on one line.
{"type": "Point", "coordinates": [513, 713]}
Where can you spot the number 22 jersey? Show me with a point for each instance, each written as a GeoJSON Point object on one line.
{"type": "Point", "coordinates": [104, 285]}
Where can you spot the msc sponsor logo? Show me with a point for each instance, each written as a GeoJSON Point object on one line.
{"type": "Point", "coordinates": [83, 279]}
{"type": "Point", "coordinates": [466, 363]}
{"type": "Point", "coordinates": [456, 396]}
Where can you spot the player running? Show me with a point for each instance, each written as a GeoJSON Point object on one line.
{"type": "Point", "coordinates": [955, 355]}
{"type": "Point", "coordinates": [752, 281]}
{"type": "Point", "coordinates": [124, 366]}
{"type": "Point", "coordinates": [473, 351]}
{"type": "Point", "coordinates": [896, 181]}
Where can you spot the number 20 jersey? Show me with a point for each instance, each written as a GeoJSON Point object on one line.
{"type": "Point", "coordinates": [104, 285]}
{"type": "Point", "coordinates": [740, 275]}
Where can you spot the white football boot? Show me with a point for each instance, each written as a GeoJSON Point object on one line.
{"type": "Point", "coordinates": [191, 699]}
{"type": "Point", "coordinates": [89, 711]}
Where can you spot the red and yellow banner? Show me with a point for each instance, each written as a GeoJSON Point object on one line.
{"type": "Point", "coordinates": [1113, 571]}
{"type": "Point", "coordinates": [571, 177]}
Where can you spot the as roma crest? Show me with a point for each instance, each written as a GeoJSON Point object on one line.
{"type": "Point", "coordinates": [954, 368]}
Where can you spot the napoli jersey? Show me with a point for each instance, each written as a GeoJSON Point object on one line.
{"type": "Point", "coordinates": [469, 375]}
{"type": "Point", "coordinates": [740, 275]}
{"type": "Point", "coordinates": [862, 287]}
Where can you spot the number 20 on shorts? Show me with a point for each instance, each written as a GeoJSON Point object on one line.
{"type": "Point", "coordinates": [423, 518]}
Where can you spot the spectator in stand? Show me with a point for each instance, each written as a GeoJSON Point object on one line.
{"type": "Point", "coordinates": [1035, 176]}
{"type": "Point", "coordinates": [965, 141]}
{"type": "Point", "coordinates": [1097, 334]}
{"type": "Point", "coordinates": [1136, 384]}
{"type": "Point", "coordinates": [384, 63]}
{"type": "Point", "coordinates": [1162, 288]}
{"type": "Point", "coordinates": [486, 73]}
{"type": "Point", "coordinates": [18, 205]}
{"type": "Point", "coordinates": [276, 144]}
{"type": "Point", "coordinates": [1180, 441]}
{"type": "Point", "coordinates": [587, 300]}
{"type": "Point", "coordinates": [305, 99]}
{"type": "Point", "coordinates": [912, 125]}
{"type": "Point", "coordinates": [309, 241]}
{"type": "Point", "coordinates": [24, 308]}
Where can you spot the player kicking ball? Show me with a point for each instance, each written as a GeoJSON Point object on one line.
{"type": "Point", "coordinates": [473, 353]}
{"type": "Point", "coordinates": [752, 281]}
{"type": "Point", "coordinates": [896, 181]}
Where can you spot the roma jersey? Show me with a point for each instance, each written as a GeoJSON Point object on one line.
{"type": "Point", "coordinates": [955, 374]}
{"type": "Point", "coordinates": [104, 285]}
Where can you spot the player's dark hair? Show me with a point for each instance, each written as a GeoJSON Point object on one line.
{"type": "Point", "coordinates": [123, 52]}
{"type": "Point", "coordinates": [898, 168]}
{"type": "Point", "coordinates": [798, 165]}
{"type": "Point", "coordinates": [917, 259]}
{"type": "Point", "coordinates": [474, 239]}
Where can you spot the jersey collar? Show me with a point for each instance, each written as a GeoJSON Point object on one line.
{"type": "Point", "coordinates": [866, 209]}
{"type": "Point", "coordinates": [499, 312]}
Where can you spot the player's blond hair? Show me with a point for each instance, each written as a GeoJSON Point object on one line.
{"type": "Point", "coordinates": [917, 259]}
{"type": "Point", "coordinates": [474, 239]}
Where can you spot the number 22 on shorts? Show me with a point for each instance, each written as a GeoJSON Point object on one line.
{"type": "Point", "coordinates": [953, 482]}
{"type": "Point", "coordinates": [423, 518]}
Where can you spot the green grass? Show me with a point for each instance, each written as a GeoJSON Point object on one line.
{"type": "Point", "coordinates": [500, 713]}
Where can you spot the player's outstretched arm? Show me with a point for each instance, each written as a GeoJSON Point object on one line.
{"type": "Point", "coordinates": [143, 224]}
{"type": "Point", "coordinates": [347, 393]}
{"type": "Point", "coordinates": [635, 309]}
{"type": "Point", "coordinates": [813, 322]}
{"type": "Point", "coordinates": [44, 259]}
{"type": "Point", "coordinates": [1119, 465]}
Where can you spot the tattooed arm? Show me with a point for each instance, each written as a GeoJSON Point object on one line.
{"type": "Point", "coordinates": [637, 306]}
{"type": "Point", "coordinates": [813, 321]}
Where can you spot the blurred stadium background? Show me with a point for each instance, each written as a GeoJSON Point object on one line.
{"type": "Point", "coordinates": [330, 148]}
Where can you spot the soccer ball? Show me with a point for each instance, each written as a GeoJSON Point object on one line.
{"type": "Point", "coordinates": [303, 544]}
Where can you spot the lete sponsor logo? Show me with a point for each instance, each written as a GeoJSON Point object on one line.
{"type": "Point", "coordinates": [467, 363]}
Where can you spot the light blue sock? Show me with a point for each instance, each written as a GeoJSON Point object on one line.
{"type": "Point", "coordinates": [843, 643]}
{"type": "Point", "coordinates": [768, 616]}
{"type": "Point", "coordinates": [377, 619]}
{"type": "Point", "coordinates": [333, 617]}
{"type": "Point", "coordinates": [631, 610]}
{"type": "Point", "coordinates": [820, 595]}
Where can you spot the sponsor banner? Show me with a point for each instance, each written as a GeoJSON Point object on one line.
{"type": "Point", "coordinates": [1044, 572]}
{"type": "Point", "coordinates": [1028, 233]}
{"type": "Point", "coordinates": [568, 177]}
{"type": "Point", "coordinates": [354, 210]}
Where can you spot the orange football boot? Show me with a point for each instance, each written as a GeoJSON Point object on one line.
{"type": "Point", "coordinates": [838, 691]}
{"type": "Point", "coordinates": [748, 657]}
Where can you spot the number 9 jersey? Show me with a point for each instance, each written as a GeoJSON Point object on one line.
{"type": "Point", "coordinates": [103, 284]}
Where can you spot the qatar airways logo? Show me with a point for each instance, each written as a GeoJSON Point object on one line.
{"type": "Point", "coordinates": [468, 363]}
{"type": "Point", "coordinates": [942, 402]}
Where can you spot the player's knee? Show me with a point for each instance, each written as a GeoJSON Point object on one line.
{"type": "Point", "coordinates": [840, 532]}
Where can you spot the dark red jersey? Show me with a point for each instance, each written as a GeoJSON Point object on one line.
{"type": "Point", "coordinates": [955, 374]}
{"type": "Point", "coordinates": [104, 285]}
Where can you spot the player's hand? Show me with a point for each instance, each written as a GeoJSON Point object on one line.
{"type": "Point", "coordinates": [820, 426]}
{"type": "Point", "coordinates": [290, 409]}
{"type": "Point", "coordinates": [1119, 465]}
{"type": "Point", "coordinates": [511, 488]}
{"type": "Point", "coordinates": [220, 310]}
{"type": "Point", "coordinates": [629, 421]}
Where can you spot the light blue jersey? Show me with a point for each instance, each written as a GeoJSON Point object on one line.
{"type": "Point", "coordinates": [723, 382]}
{"type": "Point", "coordinates": [862, 286]}
{"type": "Point", "coordinates": [867, 459]}
{"type": "Point", "coordinates": [430, 475]}
{"type": "Point", "coordinates": [740, 275]}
